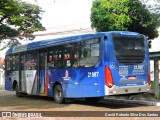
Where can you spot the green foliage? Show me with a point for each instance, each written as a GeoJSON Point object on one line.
{"type": "Point", "coordinates": [109, 15]}
{"type": "Point", "coordinates": [131, 15]}
{"type": "Point", "coordinates": [18, 20]}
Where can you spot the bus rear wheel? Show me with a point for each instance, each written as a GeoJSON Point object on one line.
{"type": "Point", "coordinates": [18, 94]}
{"type": "Point", "coordinates": [58, 94]}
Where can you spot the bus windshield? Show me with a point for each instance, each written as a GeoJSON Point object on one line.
{"type": "Point", "coordinates": [129, 50]}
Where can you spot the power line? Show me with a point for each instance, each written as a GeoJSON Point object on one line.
{"type": "Point", "coordinates": [69, 25]}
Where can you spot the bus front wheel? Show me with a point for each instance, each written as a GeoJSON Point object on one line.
{"type": "Point", "coordinates": [18, 94]}
{"type": "Point", "coordinates": [58, 94]}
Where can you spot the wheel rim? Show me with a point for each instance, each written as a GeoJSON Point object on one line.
{"type": "Point", "coordinates": [58, 94]}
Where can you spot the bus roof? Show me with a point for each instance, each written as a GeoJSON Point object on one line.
{"type": "Point", "coordinates": [59, 41]}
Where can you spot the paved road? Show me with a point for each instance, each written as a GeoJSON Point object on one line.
{"type": "Point", "coordinates": [1, 87]}
{"type": "Point", "coordinates": [9, 102]}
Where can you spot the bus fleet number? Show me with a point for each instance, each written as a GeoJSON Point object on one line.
{"type": "Point", "coordinates": [93, 74]}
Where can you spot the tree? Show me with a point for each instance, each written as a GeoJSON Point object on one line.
{"type": "Point", "coordinates": [18, 20]}
{"type": "Point", "coordinates": [152, 5]}
{"type": "Point", "coordinates": [132, 15]}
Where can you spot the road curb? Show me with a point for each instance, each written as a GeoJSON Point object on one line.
{"type": "Point", "coordinates": [140, 102]}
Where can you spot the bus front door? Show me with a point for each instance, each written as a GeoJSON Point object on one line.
{"type": "Point", "coordinates": [42, 73]}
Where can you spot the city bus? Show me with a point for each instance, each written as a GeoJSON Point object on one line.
{"type": "Point", "coordinates": [89, 66]}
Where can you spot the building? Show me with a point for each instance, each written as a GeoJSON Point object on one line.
{"type": "Point", "coordinates": [1, 71]}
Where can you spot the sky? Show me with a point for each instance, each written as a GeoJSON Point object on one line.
{"type": "Point", "coordinates": [65, 15]}
{"type": "Point", "coordinates": [62, 15]}
{"type": "Point", "coordinates": [65, 12]}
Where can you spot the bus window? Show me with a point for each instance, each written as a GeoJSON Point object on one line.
{"type": "Point", "coordinates": [22, 62]}
{"type": "Point", "coordinates": [95, 50]}
{"type": "Point", "coordinates": [50, 59]}
{"type": "Point", "coordinates": [13, 62]}
{"type": "Point", "coordinates": [129, 50]}
{"type": "Point", "coordinates": [17, 62]}
{"type": "Point", "coordinates": [31, 63]}
{"type": "Point", "coordinates": [58, 58]}
{"type": "Point", "coordinates": [90, 51]}
{"type": "Point", "coordinates": [67, 55]}
{"type": "Point", "coordinates": [43, 61]}
{"type": "Point", "coordinates": [75, 55]}
{"type": "Point", "coordinates": [9, 60]}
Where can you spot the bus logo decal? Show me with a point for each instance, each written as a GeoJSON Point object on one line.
{"type": "Point", "coordinates": [112, 65]}
{"type": "Point", "coordinates": [66, 76]}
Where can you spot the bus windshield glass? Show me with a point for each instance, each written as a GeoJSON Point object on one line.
{"type": "Point", "coordinates": [129, 50]}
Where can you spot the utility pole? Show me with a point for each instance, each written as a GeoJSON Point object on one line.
{"type": "Point", "coordinates": [156, 78]}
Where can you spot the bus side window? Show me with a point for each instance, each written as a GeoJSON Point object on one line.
{"type": "Point", "coordinates": [57, 57]}
{"type": "Point", "coordinates": [31, 63]}
{"type": "Point", "coordinates": [15, 63]}
{"type": "Point", "coordinates": [67, 55]}
{"type": "Point", "coordinates": [75, 55]}
{"type": "Point", "coordinates": [50, 59]}
{"type": "Point", "coordinates": [90, 51]}
{"type": "Point", "coordinates": [22, 61]}
{"type": "Point", "coordinates": [8, 62]}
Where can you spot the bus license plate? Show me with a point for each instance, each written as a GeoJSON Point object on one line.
{"type": "Point", "coordinates": [131, 77]}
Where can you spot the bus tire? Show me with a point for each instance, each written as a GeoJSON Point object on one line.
{"type": "Point", "coordinates": [58, 94]}
{"type": "Point", "coordinates": [18, 94]}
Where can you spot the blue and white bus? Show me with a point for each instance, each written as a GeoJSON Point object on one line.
{"type": "Point", "coordinates": [89, 66]}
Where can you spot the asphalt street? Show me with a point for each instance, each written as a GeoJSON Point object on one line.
{"type": "Point", "coordinates": [143, 99]}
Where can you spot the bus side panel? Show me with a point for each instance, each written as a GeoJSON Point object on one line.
{"type": "Point", "coordinates": [8, 83]}
{"type": "Point", "coordinates": [68, 80]}
{"type": "Point", "coordinates": [92, 84]}
{"type": "Point", "coordinates": [30, 80]}
{"type": "Point", "coordinates": [23, 81]}
{"type": "Point", "coordinates": [71, 90]}
{"type": "Point", "coordinates": [13, 76]}
{"type": "Point", "coordinates": [80, 82]}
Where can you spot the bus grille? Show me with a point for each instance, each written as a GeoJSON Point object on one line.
{"type": "Point", "coordinates": [130, 60]}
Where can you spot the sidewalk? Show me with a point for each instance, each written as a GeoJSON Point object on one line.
{"type": "Point", "coordinates": [1, 87]}
{"type": "Point", "coordinates": [147, 97]}
{"type": "Point", "coordinates": [142, 99]}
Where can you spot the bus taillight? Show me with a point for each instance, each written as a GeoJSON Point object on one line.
{"type": "Point", "coordinates": [149, 79]}
{"type": "Point", "coordinates": [108, 77]}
